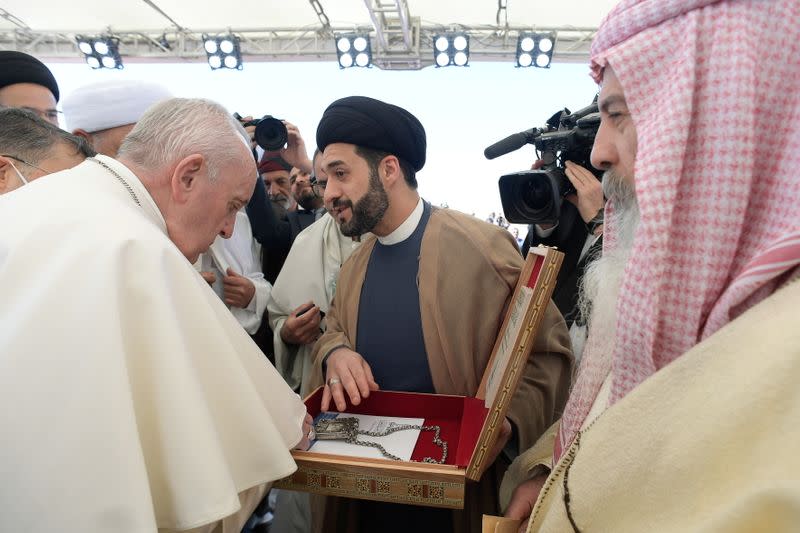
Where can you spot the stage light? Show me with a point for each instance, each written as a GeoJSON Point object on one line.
{"type": "Point", "coordinates": [543, 61]}
{"type": "Point", "coordinates": [360, 44]}
{"type": "Point", "coordinates": [362, 60]}
{"type": "Point", "coordinates": [451, 49]}
{"type": "Point", "coordinates": [100, 52]}
{"type": "Point", "coordinates": [535, 45]}
{"type": "Point", "coordinates": [223, 51]}
{"type": "Point", "coordinates": [226, 46]}
{"type": "Point", "coordinates": [353, 50]}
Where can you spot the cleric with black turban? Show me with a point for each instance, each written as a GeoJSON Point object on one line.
{"type": "Point", "coordinates": [373, 124]}
{"type": "Point", "coordinates": [26, 82]}
{"type": "Point", "coordinates": [418, 306]}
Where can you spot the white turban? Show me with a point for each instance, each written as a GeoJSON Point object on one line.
{"type": "Point", "coordinates": [108, 104]}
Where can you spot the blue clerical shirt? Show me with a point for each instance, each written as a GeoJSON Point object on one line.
{"type": "Point", "coordinates": [389, 330]}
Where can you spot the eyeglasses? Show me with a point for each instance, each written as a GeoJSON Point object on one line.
{"type": "Point", "coordinates": [15, 158]}
{"type": "Point", "coordinates": [318, 186]}
{"type": "Point", "coordinates": [47, 114]}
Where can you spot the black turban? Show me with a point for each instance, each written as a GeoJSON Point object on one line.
{"type": "Point", "coordinates": [373, 124]}
{"type": "Point", "coordinates": [16, 67]}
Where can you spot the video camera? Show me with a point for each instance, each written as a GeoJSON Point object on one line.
{"type": "Point", "coordinates": [270, 134]}
{"type": "Point", "coordinates": [535, 196]}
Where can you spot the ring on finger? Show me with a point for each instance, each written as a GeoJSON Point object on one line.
{"type": "Point", "coordinates": [334, 381]}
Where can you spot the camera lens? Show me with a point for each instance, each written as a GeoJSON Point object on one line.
{"type": "Point", "coordinates": [530, 197]}
{"type": "Point", "coordinates": [535, 194]}
{"type": "Point", "coordinates": [271, 134]}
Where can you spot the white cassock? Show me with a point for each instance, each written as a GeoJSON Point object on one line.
{"type": "Point", "coordinates": [309, 273]}
{"type": "Point", "coordinates": [241, 253]}
{"type": "Point", "coordinates": [131, 398]}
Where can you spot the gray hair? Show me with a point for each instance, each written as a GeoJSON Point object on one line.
{"type": "Point", "coordinates": [25, 135]}
{"type": "Point", "coordinates": [178, 127]}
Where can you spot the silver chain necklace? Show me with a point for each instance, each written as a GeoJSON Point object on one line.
{"type": "Point", "coordinates": [119, 178]}
{"type": "Point", "coordinates": [346, 429]}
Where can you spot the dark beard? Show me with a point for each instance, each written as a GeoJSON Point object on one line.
{"type": "Point", "coordinates": [368, 211]}
{"type": "Point", "coordinates": [308, 201]}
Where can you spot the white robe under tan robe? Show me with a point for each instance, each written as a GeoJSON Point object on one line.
{"type": "Point", "coordinates": [310, 273]}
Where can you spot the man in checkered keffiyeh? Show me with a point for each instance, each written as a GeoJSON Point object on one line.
{"type": "Point", "coordinates": [696, 308]}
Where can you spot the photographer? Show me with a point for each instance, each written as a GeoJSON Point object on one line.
{"type": "Point", "coordinates": [577, 233]}
{"type": "Point", "coordinates": [560, 199]}
{"type": "Point", "coordinates": [275, 232]}
{"type": "Point", "coordinates": [274, 228]}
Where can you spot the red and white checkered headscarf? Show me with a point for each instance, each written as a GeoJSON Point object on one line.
{"type": "Point", "coordinates": [713, 88]}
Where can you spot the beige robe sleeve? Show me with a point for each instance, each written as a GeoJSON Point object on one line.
{"type": "Point", "coordinates": [530, 463]}
{"type": "Point", "coordinates": [708, 443]}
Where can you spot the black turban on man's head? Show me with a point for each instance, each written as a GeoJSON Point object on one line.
{"type": "Point", "coordinates": [373, 124]}
{"type": "Point", "coordinates": [16, 67]}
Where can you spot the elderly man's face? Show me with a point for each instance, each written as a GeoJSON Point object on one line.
{"type": "Point", "coordinates": [354, 195]}
{"type": "Point", "coordinates": [32, 97]}
{"type": "Point", "coordinates": [206, 209]}
{"type": "Point", "coordinates": [61, 157]}
{"type": "Point", "coordinates": [278, 186]}
{"type": "Point", "coordinates": [615, 144]}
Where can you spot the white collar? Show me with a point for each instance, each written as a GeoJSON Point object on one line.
{"type": "Point", "coordinates": [405, 229]}
{"type": "Point", "coordinates": [147, 203]}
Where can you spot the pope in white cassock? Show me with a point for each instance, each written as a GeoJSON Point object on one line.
{"type": "Point", "coordinates": [132, 399]}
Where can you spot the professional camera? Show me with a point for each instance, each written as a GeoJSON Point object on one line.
{"type": "Point", "coordinates": [270, 132]}
{"type": "Point", "coordinates": [535, 196]}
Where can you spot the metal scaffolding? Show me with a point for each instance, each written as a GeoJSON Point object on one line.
{"type": "Point", "coordinates": [399, 41]}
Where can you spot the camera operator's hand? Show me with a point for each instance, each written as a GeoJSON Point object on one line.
{"type": "Point", "coordinates": [302, 325]}
{"type": "Point", "coordinates": [251, 131]}
{"type": "Point", "coordinates": [589, 199]}
{"type": "Point", "coordinates": [346, 372]}
{"type": "Point", "coordinates": [295, 152]}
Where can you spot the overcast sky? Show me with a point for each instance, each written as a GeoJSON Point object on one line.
{"type": "Point", "coordinates": [463, 110]}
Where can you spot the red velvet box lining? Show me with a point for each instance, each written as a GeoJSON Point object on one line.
{"type": "Point", "coordinates": [460, 419]}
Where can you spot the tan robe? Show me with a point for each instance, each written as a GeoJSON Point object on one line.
{"type": "Point", "coordinates": [467, 273]}
{"type": "Point", "coordinates": [708, 443]}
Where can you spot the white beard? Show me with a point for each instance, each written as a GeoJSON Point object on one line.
{"type": "Point", "coordinates": [602, 278]}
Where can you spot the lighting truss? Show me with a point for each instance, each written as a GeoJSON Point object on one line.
{"type": "Point", "coordinates": [490, 43]}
